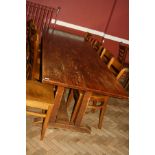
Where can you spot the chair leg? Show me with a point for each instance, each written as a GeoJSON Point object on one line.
{"type": "Point", "coordinates": [38, 120]}
{"type": "Point", "coordinates": [94, 110]}
{"type": "Point", "coordinates": [126, 84]}
{"type": "Point", "coordinates": [76, 108]}
{"type": "Point", "coordinates": [45, 123]}
{"type": "Point", "coordinates": [102, 112]}
{"type": "Point", "coordinates": [55, 90]}
{"type": "Point", "coordinates": [43, 130]}
{"type": "Point", "coordinates": [101, 115]}
{"type": "Point", "coordinates": [70, 98]}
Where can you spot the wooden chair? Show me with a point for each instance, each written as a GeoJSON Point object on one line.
{"type": "Point", "coordinates": [39, 96]}
{"type": "Point", "coordinates": [96, 45]}
{"type": "Point", "coordinates": [33, 51]}
{"type": "Point", "coordinates": [122, 74]}
{"type": "Point", "coordinates": [87, 36]}
{"type": "Point", "coordinates": [99, 51]}
{"type": "Point", "coordinates": [97, 101]}
{"type": "Point", "coordinates": [114, 66]}
{"type": "Point", "coordinates": [106, 56]}
{"type": "Point", "coordinates": [92, 40]}
{"type": "Point", "coordinates": [123, 77]}
{"type": "Point", "coordinates": [123, 50]}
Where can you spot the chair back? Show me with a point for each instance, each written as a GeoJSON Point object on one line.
{"type": "Point", "coordinates": [99, 51]}
{"type": "Point", "coordinates": [42, 15]}
{"type": "Point", "coordinates": [123, 50]}
{"type": "Point", "coordinates": [106, 56]}
{"type": "Point", "coordinates": [121, 74]}
{"type": "Point", "coordinates": [92, 41]}
{"type": "Point", "coordinates": [96, 45]}
{"type": "Point", "coordinates": [87, 36]}
{"type": "Point", "coordinates": [32, 64]}
{"type": "Point", "coordinates": [123, 77]}
{"type": "Point", "coordinates": [114, 66]}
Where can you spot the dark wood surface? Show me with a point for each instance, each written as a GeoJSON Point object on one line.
{"type": "Point", "coordinates": [71, 62]}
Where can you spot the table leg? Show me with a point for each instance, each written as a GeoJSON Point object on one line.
{"type": "Point", "coordinates": [57, 120]}
{"type": "Point", "coordinates": [76, 108]}
{"type": "Point", "coordinates": [82, 108]}
{"type": "Point", "coordinates": [62, 116]}
{"type": "Point", "coordinates": [57, 101]}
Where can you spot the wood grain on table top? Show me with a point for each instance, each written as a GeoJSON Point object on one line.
{"type": "Point", "coordinates": [71, 62]}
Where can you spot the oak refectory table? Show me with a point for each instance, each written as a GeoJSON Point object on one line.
{"type": "Point", "coordinates": [70, 62]}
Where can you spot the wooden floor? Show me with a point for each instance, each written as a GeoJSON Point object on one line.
{"type": "Point", "coordinates": [112, 139]}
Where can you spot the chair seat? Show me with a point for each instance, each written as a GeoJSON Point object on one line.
{"type": "Point", "coordinates": [97, 97]}
{"type": "Point", "coordinates": [93, 104]}
{"type": "Point", "coordinates": [38, 93]}
{"type": "Point", "coordinates": [94, 97]}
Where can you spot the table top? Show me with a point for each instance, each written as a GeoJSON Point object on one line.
{"type": "Point", "coordinates": [69, 61]}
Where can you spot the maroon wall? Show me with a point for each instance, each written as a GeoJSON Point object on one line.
{"type": "Point", "coordinates": [94, 14]}
{"type": "Point", "coordinates": [119, 24]}
{"type": "Point", "coordinates": [113, 46]}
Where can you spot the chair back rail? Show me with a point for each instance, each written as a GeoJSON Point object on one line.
{"type": "Point", "coordinates": [106, 55]}
{"type": "Point", "coordinates": [123, 50]}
